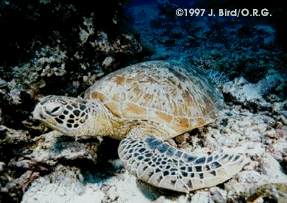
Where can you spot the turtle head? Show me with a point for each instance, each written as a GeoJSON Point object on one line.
{"type": "Point", "coordinates": [71, 116]}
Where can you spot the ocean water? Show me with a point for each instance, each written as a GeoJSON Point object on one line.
{"type": "Point", "coordinates": [231, 44]}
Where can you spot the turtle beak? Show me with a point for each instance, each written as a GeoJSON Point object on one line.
{"type": "Point", "coordinates": [37, 113]}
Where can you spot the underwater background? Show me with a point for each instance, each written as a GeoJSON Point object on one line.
{"type": "Point", "coordinates": [62, 47]}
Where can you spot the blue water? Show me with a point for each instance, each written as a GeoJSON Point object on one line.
{"type": "Point", "coordinates": [235, 46]}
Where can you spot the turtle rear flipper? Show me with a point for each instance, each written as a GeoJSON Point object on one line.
{"type": "Point", "coordinates": [159, 164]}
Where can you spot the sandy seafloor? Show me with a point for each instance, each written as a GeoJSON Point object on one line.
{"type": "Point", "coordinates": [242, 56]}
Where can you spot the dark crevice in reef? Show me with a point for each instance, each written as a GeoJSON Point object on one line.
{"type": "Point", "coordinates": [14, 114]}
{"type": "Point", "coordinates": [26, 25]}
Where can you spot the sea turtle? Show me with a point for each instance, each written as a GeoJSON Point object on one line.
{"type": "Point", "coordinates": [143, 105]}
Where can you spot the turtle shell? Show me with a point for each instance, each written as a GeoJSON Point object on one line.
{"type": "Point", "coordinates": [172, 95]}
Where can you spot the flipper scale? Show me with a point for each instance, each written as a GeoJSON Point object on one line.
{"type": "Point", "coordinates": [159, 164]}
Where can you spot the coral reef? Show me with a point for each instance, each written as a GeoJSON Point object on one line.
{"type": "Point", "coordinates": [256, 95]}
{"type": "Point", "coordinates": [51, 47]}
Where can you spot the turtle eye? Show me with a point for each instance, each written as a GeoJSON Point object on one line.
{"type": "Point", "coordinates": [53, 110]}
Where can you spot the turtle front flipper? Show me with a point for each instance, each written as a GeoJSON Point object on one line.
{"type": "Point", "coordinates": [161, 165]}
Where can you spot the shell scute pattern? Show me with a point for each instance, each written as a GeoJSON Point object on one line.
{"type": "Point", "coordinates": [158, 91]}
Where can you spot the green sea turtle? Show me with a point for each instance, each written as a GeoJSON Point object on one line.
{"type": "Point", "coordinates": [143, 105]}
